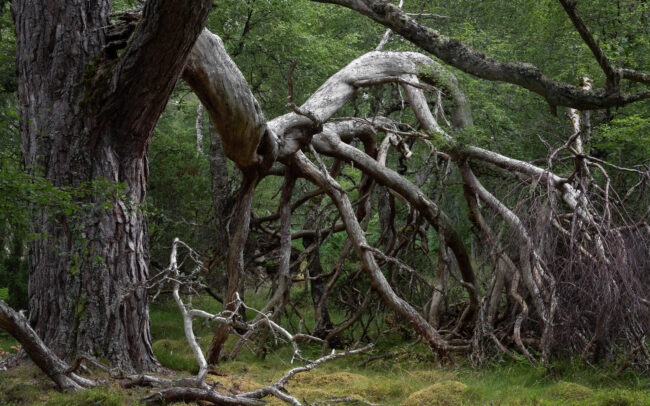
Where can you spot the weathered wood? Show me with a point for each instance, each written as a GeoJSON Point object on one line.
{"type": "Point", "coordinates": [234, 111]}
{"type": "Point", "coordinates": [469, 60]}
{"type": "Point", "coordinates": [235, 259]}
{"type": "Point", "coordinates": [357, 236]}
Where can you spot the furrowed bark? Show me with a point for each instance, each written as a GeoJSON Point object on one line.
{"type": "Point", "coordinates": [147, 64]}
{"type": "Point", "coordinates": [86, 116]}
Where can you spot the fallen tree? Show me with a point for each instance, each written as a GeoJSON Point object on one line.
{"type": "Point", "coordinates": [307, 128]}
{"type": "Point", "coordinates": [593, 238]}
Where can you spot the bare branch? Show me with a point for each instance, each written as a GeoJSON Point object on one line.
{"type": "Point", "coordinates": [234, 111]}
{"type": "Point", "coordinates": [356, 235]}
{"type": "Point", "coordinates": [636, 76]}
{"type": "Point", "coordinates": [613, 77]}
{"type": "Point", "coordinates": [476, 63]}
{"type": "Point", "coordinates": [386, 36]}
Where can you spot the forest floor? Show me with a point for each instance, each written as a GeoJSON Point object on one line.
{"type": "Point", "coordinates": [409, 378]}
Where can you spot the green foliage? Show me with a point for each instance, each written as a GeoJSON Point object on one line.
{"type": "Point", "coordinates": [23, 195]}
{"type": "Point", "coordinates": [101, 396]}
{"type": "Point", "coordinates": [8, 79]}
{"type": "Point", "coordinates": [175, 354]}
{"type": "Point", "coordinates": [625, 138]}
{"type": "Point", "coordinates": [120, 5]}
{"type": "Point", "coordinates": [570, 391]}
{"type": "Point", "coordinates": [14, 273]}
{"type": "Point", "coordinates": [264, 37]}
{"type": "Point", "coordinates": [20, 393]}
{"type": "Point", "coordinates": [447, 393]}
{"type": "Point", "coordinates": [178, 195]}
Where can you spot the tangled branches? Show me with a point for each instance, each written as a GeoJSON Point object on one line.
{"type": "Point", "coordinates": [184, 389]}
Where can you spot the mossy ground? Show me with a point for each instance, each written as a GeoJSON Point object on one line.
{"type": "Point", "coordinates": [412, 380]}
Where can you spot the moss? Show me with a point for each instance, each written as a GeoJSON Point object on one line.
{"type": "Point", "coordinates": [381, 390]}
{"type": "Point", "coordinates": [315, 386]}
{"type": "Point", "coordinates": [310, 395]}
{"type": "Point", "coordinates": [89, 397]}
{"type": "Point", "coordinates": [447, 393]}
{"type": "Point", "coordinates": [24, 384]}
{"type": "Point", "coordinates": [429, 376]}
{"type": "Point", "coordinates": [235, 382]}
{"type": "Point", "coordinates": [321, 380]}
{"type": "Point", "coordinates": [96, 79]}
{"type": "Point", "coordinates": [624, 398]}
{"type": "Point", "coordinates": [21, 393]}
{"type": "Point", "coordinates": [570, 391]}
{"type": "Point", "coordinates": [175, 354]}
{"type": "Point", "coordinates": [79, 310]}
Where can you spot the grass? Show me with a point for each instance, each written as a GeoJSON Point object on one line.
{"type": "Point", "coordinates": [4, 294]}
{"type": "Point", "coordinates": [412, 380]}
{"type": "Point", "coordinates": [6, 341]}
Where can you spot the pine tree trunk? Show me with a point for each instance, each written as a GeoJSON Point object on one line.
{"type": "Point", "coordinates": [86, 117]}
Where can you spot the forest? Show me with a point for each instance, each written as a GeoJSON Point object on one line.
{"type": "Point", "coordinates": [315, 202]}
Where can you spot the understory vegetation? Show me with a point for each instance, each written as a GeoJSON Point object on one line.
{"type": "Point", "coordinates": [409, 377]}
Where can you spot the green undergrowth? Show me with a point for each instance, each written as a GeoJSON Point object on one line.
{"type": "Point", "coordinates": [411, 379]}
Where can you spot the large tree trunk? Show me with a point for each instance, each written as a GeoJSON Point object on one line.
{"type": "Point", "coordinates": [86, 116]}
{"type": "Point", "coordinates": [87, 292]}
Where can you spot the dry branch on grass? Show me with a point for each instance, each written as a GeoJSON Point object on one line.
{"type": "Point", "coordinates": [184, 389]}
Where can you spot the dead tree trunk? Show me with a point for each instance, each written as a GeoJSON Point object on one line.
{"type": "Point", "coordinates": [235, 259]}
{"type": "Point", "coordinates": [87, 115]}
